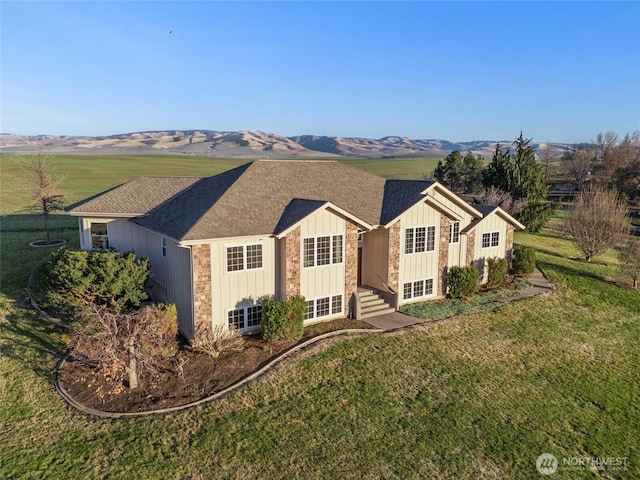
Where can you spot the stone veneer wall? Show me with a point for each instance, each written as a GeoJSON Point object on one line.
{"type": "Point", "coordinates": [471, 247]}
{"type": "Point", "coordinates": [350, 266]}
{"type": "Point", "coordinates": [394, 257]}
{"type": "Point", "coordinates": [293, 262]}
{"type": "Point", "coordinates": [443, 254]}
{"type": "Point", "coordinates": [202, 299]}
{"type": "Point", "coordinates": [508, 247]}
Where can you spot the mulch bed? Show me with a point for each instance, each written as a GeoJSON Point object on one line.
{"type": "Point", "coordinates": [174, 384]}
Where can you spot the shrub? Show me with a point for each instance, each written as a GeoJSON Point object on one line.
{"type": "Point", "coordinates": [217, 340]}
{"type": "Point", "coordinates": [462, 281]}
{"type": "Point", "coordinates": [72, 279]}
{"type": "Point", "coordinates": [282, 319]}
{"type": "Point", "coordinates": [497, 272]}
{"type": "Point", "coordinates": [524, 260]}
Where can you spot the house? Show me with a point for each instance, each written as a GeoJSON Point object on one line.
{"type": "Point", "coordinates": [352, 243]}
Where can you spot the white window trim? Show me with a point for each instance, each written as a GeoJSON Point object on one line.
{"type": "Point", "coordinates": [490, 239]}
{"type": "Point", "coordinates": [315, 250]}
{"type": "Point", "coordinates": [92, 236]}
{"type": "Point", "coordinates": [451, 229]}
{"type": "Point", "coordinates": [426, 238]}
{"type": "Point", "coordinates": [315, 316]}
{"type": "Point", "coordinates": [244, 257]}
{"type": "Point", "coordinates": [424, 295]}
{"type": "Point", "coordinates": [245, 317]}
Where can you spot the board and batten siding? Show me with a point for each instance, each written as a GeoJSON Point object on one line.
{"type": "Point", "coordinates": [170, 275]}
{"type": "Point", "coordinates": [492, 223]}
{"type": "Point", "coordinates": [423, 265]}
{"type": "Point", "coordinates": [375, 258]}
{"type": "Point", "coordinates": [325, 280]}
{"type": "Point", "coordinates": [242, 288]}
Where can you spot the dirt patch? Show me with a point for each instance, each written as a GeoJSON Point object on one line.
{"type": "Point", "coordinates": [183, 379]}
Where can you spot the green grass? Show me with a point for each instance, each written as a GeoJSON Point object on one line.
{"type": "Point", "coordinates": [474, 396]}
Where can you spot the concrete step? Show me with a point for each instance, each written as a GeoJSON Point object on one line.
{"type": "Point", "coordinates": [371, 301]}
{"type": "Point", "coordinates": [377, 312]}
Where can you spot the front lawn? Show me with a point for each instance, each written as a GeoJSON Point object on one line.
{"type": "Point", "coordinates": [474, 396]}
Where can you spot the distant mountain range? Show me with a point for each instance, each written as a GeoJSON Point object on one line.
{"type": "Point", "coordinates": [248, 144]}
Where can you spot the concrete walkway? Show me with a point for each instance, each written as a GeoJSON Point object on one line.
{"type": "Point", "coordinates": [396, 320]}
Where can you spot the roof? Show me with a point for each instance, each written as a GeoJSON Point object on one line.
{"type": "Point", "coordinates": [487, 210]}
{"type": "Point", "coordinates": [251, 199]}
{"type": "Point", "coordinates": [263, 197]}
{"type": "Point", "coordinates": [135, 197]}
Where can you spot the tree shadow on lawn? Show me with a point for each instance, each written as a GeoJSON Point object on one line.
{"type": "Point", "coordinates": [30, 341]}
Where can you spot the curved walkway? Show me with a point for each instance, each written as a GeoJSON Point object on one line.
{"type": "Point", "coordinates": [383, 323]}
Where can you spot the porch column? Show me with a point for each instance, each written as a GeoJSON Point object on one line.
{"type": "Point", "coordinates": [350, 266]}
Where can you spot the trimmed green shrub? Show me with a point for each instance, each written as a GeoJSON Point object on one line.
{"type": "Point", "coordinates": [282, 319]}
{"type": "Point", "coordinates": [462, 281]}
{"type": "Point", "coordinates": [70, 280]}
{"type": "Point", "coordinates": [497, 272]}
{"type": "Point", "coordinates": [524, 260]}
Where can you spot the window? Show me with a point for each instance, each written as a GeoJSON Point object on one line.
{"type": "Point", "coordinates": [419, 239]}
{"type": "Point", "coordinates": [321, 251]}
{"type": "Point", "coordinates": [323, 307]}
{"type": "Point", "coordinates": [242, 318]}
{"type": "Point", "coordinates": [309, 310]}
{"type": "Point", "coordinates": [337, 249]}
{"type": "Point", "coordinates": [241, 255]}
{"type": "Point", "coordinates": [417, 289]}
{"type": "Point", "coordinates": [309, 252]}
{"type": "Point", "coordinates": [99, 236]}
{"type": "Point", "coordinates": [408, 240]}
{"type": "Point", "coordinates": [254, 256]}
{"type": "Point", "coordinates": [431, 239]}
{"type": "Point", "coordinates": [454, 232]}
{"type": "Point", "coordinates": [490, 239]}
{"type": "Point", "coordinates": [164, 247]}
{"type": "Point", "coordinates": [236, 319]}
{"type": "Point", "coordinates": [336, 304]}
{"type": "Point", "coordinates": [254, 315]}
{"type": "Point", "coordinates": [324, 250]}
{"type": "Point", "coordinates": [407, 290]}
{"type": "Point", "coordinates": [235, 259]}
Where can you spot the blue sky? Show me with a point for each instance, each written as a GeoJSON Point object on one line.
{"type": "Point", "coordinates": [452, 70]}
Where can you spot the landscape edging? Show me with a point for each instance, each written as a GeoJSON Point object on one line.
{"type": "Point", "coordinates": [203, 401]}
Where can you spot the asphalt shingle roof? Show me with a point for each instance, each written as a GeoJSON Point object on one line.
{"type": "Point", "coordinates": [135, 197]}
{"type": "Point", "coordinates": [399, 195]}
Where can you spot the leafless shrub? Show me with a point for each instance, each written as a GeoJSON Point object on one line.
{"type": "Point", "coordinates": [629, 255]}
{"type": "Point", "coordinates": [217, 340]}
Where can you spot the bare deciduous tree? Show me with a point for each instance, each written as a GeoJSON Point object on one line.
{"type": "Point", "coordinates": [597, 221]}
{"type": "Point", "coordinates": [496, 197]}
{"type": "Point", "coordinates": [629, 255]}
{"type": "Point", "coordinates": [47, 196]}
{"type": "Point", "coordinates": [579, 162]}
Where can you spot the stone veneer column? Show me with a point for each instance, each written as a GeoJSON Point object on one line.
{"type": "Point", "coordinates": [202, 300]}
{"type": "Point", "coordinates": [508, 247]}
{"type": "Point", "coordinates": [350, 266]}
{"type": "Point", "coordinates": [471, 247]}
{"type": "Point", "coordinates": [393, 266]}
{"type": "Point", "coordinates": [293, 263]}
{"type": "Point", "coordinates": [443, 254]}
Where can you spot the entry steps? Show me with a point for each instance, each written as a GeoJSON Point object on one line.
{"type": "Point", "coordinates": [372, 304]}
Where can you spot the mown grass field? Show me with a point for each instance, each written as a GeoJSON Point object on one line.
{"type": "Point", "coordinates": [475, 396]}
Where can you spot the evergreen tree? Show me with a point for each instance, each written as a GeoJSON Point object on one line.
{"type": "Point", "coordinates": [472, 168]}
{"type": "Point", "coordinates": [450, 172]}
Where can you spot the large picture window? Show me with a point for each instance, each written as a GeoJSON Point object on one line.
{"type": "Point", "coordinates": [319, 251]}
{"type": "Point", "coordinates": [419, 239]}
{"type": "Point", "coordinates": [241, 257]}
